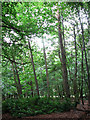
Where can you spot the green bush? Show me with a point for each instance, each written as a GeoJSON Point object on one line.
{"type": "Point", "coordinates": [33, 106]}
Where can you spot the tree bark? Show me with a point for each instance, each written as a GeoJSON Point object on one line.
{"type": "Point", "coordinates": [48, 92]}
{"type": "Point", "coordinates": [19, 87]}
{"type": "Point", "coordinates": [87, 68]}
{"type": "Point", "coordinates": [63, 29]}
{"type": "Point", "coordinates": [75, 79]}
{"type": "Point", "coordinates": [37, 88]}
{"type": "Point", "coordinates": [59, 56]}
{"type": "Point", "coordinates": [82, 79]}
{"type": "Point", "coordinates": [19, 83]}
{"type": "Point", "coordinates": [15, 78]}
{"type": "Point", "coordinates": [30, 83]}
{"type": "Point", "coordinates": [64, 68]}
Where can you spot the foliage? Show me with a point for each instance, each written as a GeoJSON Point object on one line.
{"type": "Point", "coordinates": [33, 106]}
{"type": "Point", "coordinates": [34, 21]}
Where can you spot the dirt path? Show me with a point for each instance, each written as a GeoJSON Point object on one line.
{"type": "Point", "coordinates": [73, 114]}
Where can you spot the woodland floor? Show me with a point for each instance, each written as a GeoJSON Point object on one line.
{"type": "Point", "coordinates": [82, 112]}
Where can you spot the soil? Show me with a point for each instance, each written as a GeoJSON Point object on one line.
{"type": "Point", "coordinates": [82, 112]}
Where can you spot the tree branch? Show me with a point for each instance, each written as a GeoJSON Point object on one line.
{"type": "Point", "coordinates": [10, 26]}
{"type": "Point", "coordinates": [13, 60]}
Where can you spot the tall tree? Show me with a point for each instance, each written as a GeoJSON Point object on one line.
{"type": "Point", "coordinates": [16, 84]}
{"type": "Point", "coordinates": [75, 79]}
{"type": "Point", "coordinates": [82, 69]}
{"type": "Point", "coordinates": [35, 77]}
{"type": "Point", "coordinates": [64, 68]}
{"type": "Point", "coordinates": [19, 82]}
{"type": "Point", "coordinates": [87, 68]}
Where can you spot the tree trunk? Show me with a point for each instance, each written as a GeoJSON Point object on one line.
{"type": "Point", "coordinates": [58, 90]}
{"type": "Point", "coordinates": [75, 79]}
{"type": "Point", "coordinates": [63, 29]}
{"type": "Point", "coordinates": [19, 83]}
{"type": "Point", "coordinates": [82, 79]}
{"type": "Point", "coordinates": [31, 89]}
{"type": "Point", "coordinates": [37, 88]}
{"type": "Point", "coordinates": [48, 92]}
{"type": "Point", "coordinates": [15, 78]}
{"type": "Point", "coordinates": [87, 68]}
{"type": "Point", "coordinates": [59, 56]}
{"type": "Point", "coordinates": [64, 68]}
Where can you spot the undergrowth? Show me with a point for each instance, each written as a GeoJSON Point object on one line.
{"type": "Point", "coordinates": [32, 106]}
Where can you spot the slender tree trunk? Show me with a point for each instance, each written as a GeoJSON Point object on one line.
{"type": "Point", "coordinates": [65, 75]}
{"type": "Point", "coordinates": [63, 30]}
{"type": "Point", "coordinates": [82, 79]}
{"type": "Point", "coordinates": [19, 83]}
{"type": "Point", "coordinates": [15, 78]}
{"type": "Point", "coordinates": [30, 83]}
{"type": "Point", "coordinates": [31, 89]}
{"type": "Point", "coordinates": [37, 88]}
{"type": "Point", "coordinates": [85, 57]}
{"type": "Point", "coordinates": [75, 79]}
{"type": "Point", "coordinates": [59, 56]}
{"type": "Point", "coordinates": [58, 90]}
{"type": "Point", "coordinates": [85, 87]}
{"type": "Point", "coordinates": [70, 74]}
{"type": "Point", "coordinates": [48, 92]}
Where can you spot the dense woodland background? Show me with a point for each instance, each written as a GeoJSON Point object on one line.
{"type": "Point", "coordinates": [45, 50]}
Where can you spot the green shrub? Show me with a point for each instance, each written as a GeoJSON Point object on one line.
{"type": "Point", "coordinates": [33, 106]}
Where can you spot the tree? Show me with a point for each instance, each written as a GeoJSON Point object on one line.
{"type": "Point", "coordinates": [63, 69]}
{"type": "Point", "coordinates": [65, 76]}
{"type": "Point", "coordinates": [37, 88]}
{"type": "Point", "coordinates": [75, 79]}
{"type": "Point", "coordinates": [87, 68]}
